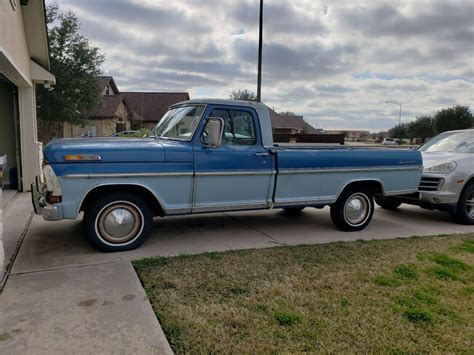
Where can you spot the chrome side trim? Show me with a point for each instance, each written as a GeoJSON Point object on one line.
{"type": "Point", "coordinates": [123, 175]}
{"type": "Point", "coordinates": [256, 206]}
{"type": "Point", "coordinates": [340, 170]}
{"type": "Point", "coordinates": [236, 172]}
{"type": "Point", "coordinates": [400, 192]}
{"type": "Point", "coordinates": [173, 211]}
{"type": "Point", "coordinates": [304, 202]}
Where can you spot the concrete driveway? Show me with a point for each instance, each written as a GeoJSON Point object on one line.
{"type": "Point", "coordinates": [55, 245]}
{"type": "Point", "coordinates": [65, 296]}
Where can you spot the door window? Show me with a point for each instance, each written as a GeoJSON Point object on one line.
{"type": "Point", "coordinates": [239, 128]}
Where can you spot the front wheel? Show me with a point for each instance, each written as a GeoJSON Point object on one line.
{"type": "Point", "coordinates": [118, 221]}
{"type": "Point", "coordinates": [464, 213]}
{"type": "Point", "coordinates": [353, 209]}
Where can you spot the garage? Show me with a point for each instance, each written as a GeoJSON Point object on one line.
{"type": "Point", "coordinates": [9, 135]}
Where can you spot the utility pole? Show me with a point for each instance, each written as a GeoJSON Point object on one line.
{"type": "Point", "coordinates": [260, 36]}
{"type": "Point", "coordinates": [399, 116]}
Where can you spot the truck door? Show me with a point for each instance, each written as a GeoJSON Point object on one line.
{"type": "Point", "coordinates": [239, 174]}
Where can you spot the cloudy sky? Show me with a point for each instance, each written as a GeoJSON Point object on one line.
{"type": "Point", "coordinates": [336, 63]}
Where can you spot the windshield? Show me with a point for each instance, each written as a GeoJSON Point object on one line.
{"type": "Point", "coordinates": [179, 123]}
{"type": "Point", "coordinates": [455, 142]}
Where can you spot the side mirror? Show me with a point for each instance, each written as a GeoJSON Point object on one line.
{"type": "Point", "coordinates": [213, 130]}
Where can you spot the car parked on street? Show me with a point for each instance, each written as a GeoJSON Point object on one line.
{"type": "Point", "coordinates": [124, 134]}
{"type": "Point", "coordinates": [211, 156]}
{"type": "Point", "coordinates": [448, 177]}
{"type": "Point", "coordinates": [389, 141]}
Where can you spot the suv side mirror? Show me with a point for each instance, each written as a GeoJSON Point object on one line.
{"type": "Point", "coordinates": [214, 128]}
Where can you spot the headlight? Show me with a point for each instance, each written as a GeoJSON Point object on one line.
{"type": "Point", "coordinates": [52, 182]}
{"type": "Point", "coordinates": [441, 168]}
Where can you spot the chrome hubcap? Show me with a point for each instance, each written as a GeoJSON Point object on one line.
{"type": "Point", "coordinates": [470, 205]}
{"type": "Point", "coordinates": [356, 209]}
{"type": "Point", "coordinates": [119, 223]}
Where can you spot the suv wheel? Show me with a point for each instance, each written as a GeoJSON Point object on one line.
{"type": "Point", "coordinates": [353, 210]}
{"type": "Point", "coordinates": [465, 209]}
{"type": "Point", "coordinates": [118, 221]}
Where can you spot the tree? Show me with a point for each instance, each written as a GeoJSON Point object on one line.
{"type": "Point", "coordinates": [287, 113]}
{"type": "Point", "coordinates": [399, 131]}
{"type": "Point", "coordinates": [422, 128]}
{"type": "Point", "coordinates": [243, 95]}
{"type": "Point", "coordinates": [458, 117]}
{"type": "Point", "coordinates": [76, 65]}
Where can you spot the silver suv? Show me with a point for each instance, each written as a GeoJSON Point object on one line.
{"type": "Point", "coordinates": [448, 177]}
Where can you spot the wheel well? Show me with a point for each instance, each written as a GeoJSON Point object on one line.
{"type": "Point", "coordinates": [374, 186]}
{"type": "Point", "coordinates": [471, 180]}
{"type": "Point", "coordinates": [135, 189]}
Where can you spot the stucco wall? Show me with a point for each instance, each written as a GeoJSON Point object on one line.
{"type": "Point", "coordinates": [13, 37]}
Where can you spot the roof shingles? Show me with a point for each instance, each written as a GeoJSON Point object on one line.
{"type": "Point", "coordinates": [151, 106]}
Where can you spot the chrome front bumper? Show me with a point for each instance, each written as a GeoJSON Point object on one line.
{"type": "Point", "coordinates": [41, 207]}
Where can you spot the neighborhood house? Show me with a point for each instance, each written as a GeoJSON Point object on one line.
{"type": "Point", "coordinates": [121, 111]}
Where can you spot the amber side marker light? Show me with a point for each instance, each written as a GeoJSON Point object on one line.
{"type": "Point", "coordinates": [54, 199]}
{"type": "Point", "coordinates": [460, 181]}
{"type": "Point", "coordinates": [82, 157]}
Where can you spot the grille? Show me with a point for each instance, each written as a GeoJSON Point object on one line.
{"type": "Point", "coordinates": [430, 184]}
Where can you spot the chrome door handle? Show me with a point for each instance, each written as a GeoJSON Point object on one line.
{"type": "Point", "coordinates": [261, 154]}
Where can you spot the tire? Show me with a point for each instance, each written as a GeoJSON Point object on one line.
{"type": "Point", "coordinates": [293, 210]}
{"type": "Point", "coordinates": [464, 213]}
{"type": "Point", "coordinates": [107, 233]}
{"type": "Point", "coordinates": [362, 203]}
{"type": "Point", "coordinates": [387, 203]}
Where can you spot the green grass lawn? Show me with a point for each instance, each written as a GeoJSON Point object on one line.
{"type": "Point", "coordinates": [402, 295]}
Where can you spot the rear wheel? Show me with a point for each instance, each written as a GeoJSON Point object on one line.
{"type": "Point", "coordinates": [353, 210]}
{"type": "Point", "coordinates": [118, 221]}
{"type": "Point", "coordinates": [387, 203]}
{"type": "Point", "coordinates": [464, 213]}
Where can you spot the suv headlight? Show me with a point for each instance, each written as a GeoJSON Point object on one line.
{"type": "Point", "coordinates": [441, 168]}
{"type": "Point", "coordinates": [52, 182]}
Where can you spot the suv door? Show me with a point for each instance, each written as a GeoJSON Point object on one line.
{"type": "Point", "coordinates": [239, 173]}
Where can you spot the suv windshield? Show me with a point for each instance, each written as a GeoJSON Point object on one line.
{"type": "Point", "coordinates": [179, 123]}
{"type": "Point", "coordinates": [456, 142]}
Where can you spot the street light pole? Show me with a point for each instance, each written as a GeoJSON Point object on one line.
{"type": "Point", "coordinates": [399, 116]}
{"type": "Point", "coordinates": [260, 35]}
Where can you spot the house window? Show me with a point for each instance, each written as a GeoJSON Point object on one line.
{"type": "Point", "coordinates": [92, 132]}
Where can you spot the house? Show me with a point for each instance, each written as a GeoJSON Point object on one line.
{"type": "Point", "coordinates": [149, 107]}
{"type": "Point", "coordinates": [120, 111]}
{"type": "Point", "coordinates": [24, 62]}
{"type": "Point", "coordinates": [290, 124]}
{"type": "Point", "coordinates": [110, 116]}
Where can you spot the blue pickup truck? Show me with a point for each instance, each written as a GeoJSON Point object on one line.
{"type": "Point", "coordinates": [211, 156]}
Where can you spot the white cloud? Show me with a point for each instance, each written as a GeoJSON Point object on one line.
{"type": "Point", "coordinates": [335, 63]}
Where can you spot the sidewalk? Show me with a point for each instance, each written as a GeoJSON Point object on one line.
{"type": "Point", "coordinates": [97, 307]}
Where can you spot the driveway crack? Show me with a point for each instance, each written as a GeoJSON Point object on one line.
{"type": "Point", "coordinates": [272, 240]}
